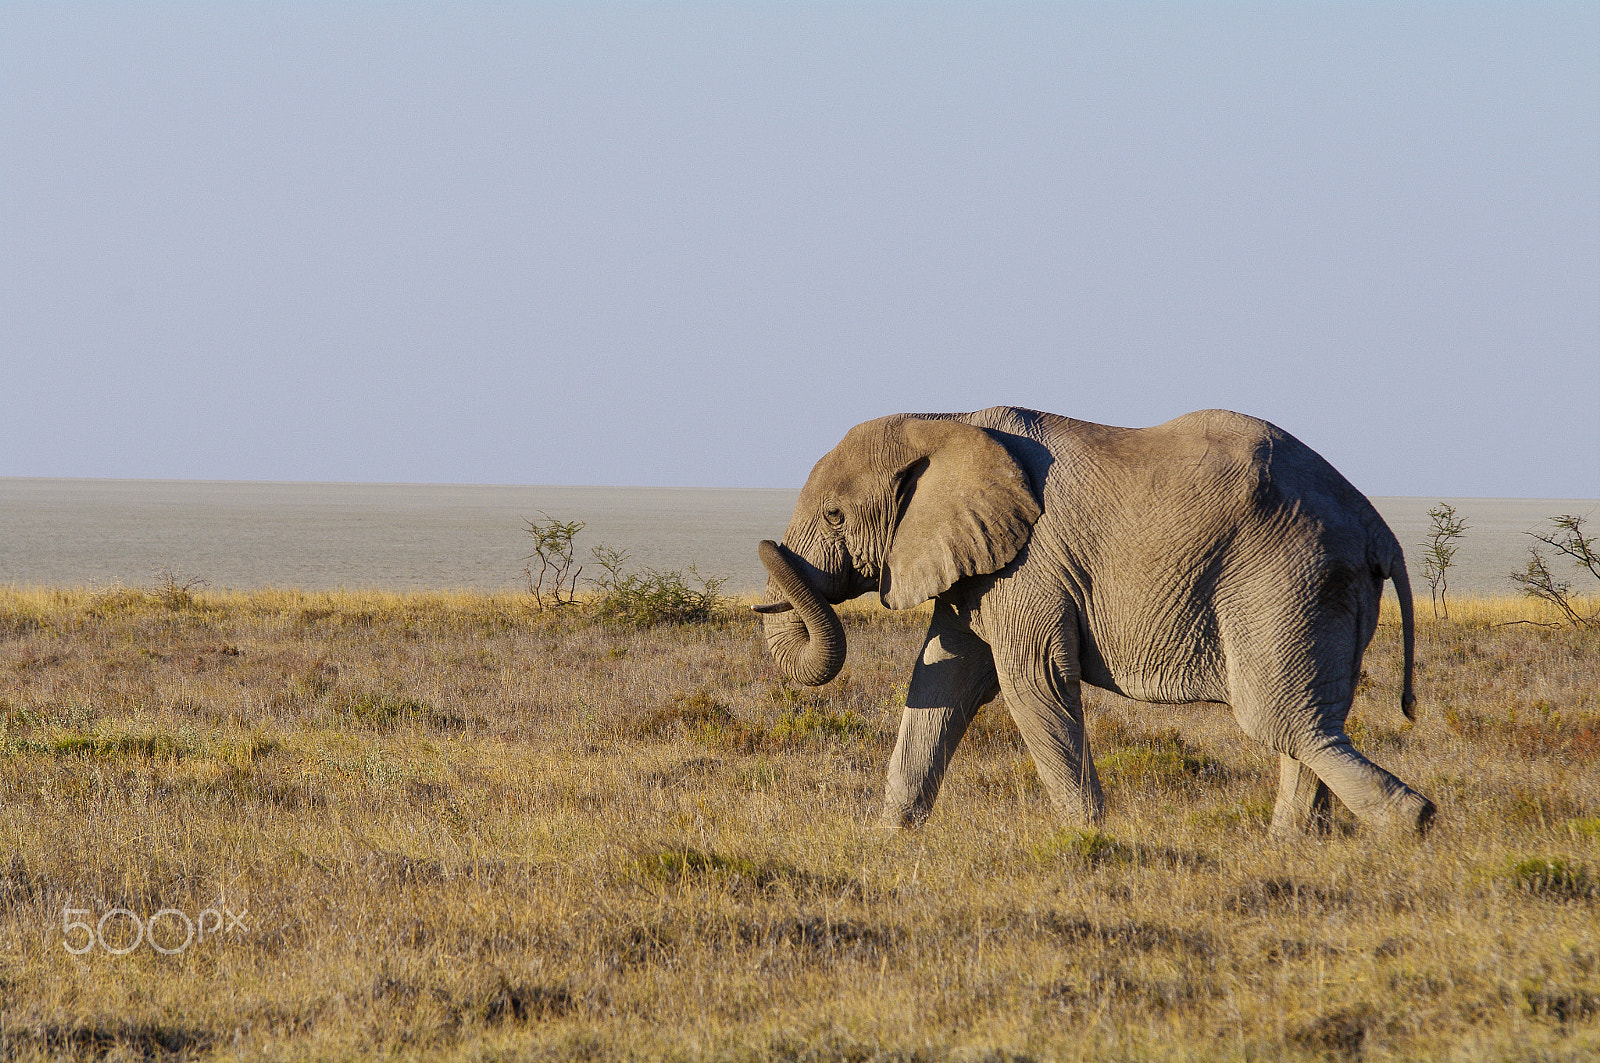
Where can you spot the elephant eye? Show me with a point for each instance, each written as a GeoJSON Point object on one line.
{"type": "Point", "coordinates": [833, 515]}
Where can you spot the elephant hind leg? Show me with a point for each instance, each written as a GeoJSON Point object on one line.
{"type": "Point", "coordinates": [1305, 805]}
{"type": "Point", "coordinates": [1373, 794]}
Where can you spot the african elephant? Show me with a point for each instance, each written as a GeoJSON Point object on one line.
{"type": "Point", "coordinates": [1214, 558]}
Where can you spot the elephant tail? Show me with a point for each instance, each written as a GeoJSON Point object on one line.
{"type": "Point", "coordinates": [1402, 590]}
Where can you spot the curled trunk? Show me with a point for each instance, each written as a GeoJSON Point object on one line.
{"type": "Point", "coordinates": [806, 640]}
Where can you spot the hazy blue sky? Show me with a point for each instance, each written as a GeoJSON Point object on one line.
{"type": "Point", "coordinates": [690, 244]}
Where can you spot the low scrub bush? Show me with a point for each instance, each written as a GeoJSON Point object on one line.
{"type": "Point", "coordinates": [704, 719]}
{"type": "Point", "coordinates": [817, 723]}
{"type": "Point", "coordinates": [1342, 1033]}
{"type": "Point", "coordinates": [1562, 1004]}
{"type": "Point", "coordinates": [1535, 732]}
{"type": "Point", "coordinates": [176, 592]}
{"type": "Point", "coordinates": [651, 597]}
{"type": "Point", "coordinates": [676, 864]}
{"type": "Point", "coordinates": [112, 746]}
{"type": "Point", "coordinates": [1160, 758]}
{"type": "Point", "coordinates": [1250, 816]}
{"type": "Point", "coordinates": [1554, 877]}
{"type": "Point", "coordinates": [1089, 847]}
{"type": "Point", "coordinates": [643, 598]}
{"type": "Point", "coordinates": [385, 712]}
{"type": "Point", "coordinates": [694, 715]}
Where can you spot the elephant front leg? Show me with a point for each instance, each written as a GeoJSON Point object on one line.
{"type": "Point", "coordinates": [953, 678]}
{"type": "Point", "coordinates": [1305, 805]}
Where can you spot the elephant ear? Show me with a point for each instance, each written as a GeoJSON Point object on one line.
{"type": "Point", "coordinates": [966, 509]}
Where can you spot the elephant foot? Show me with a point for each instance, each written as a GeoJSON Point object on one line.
{"type": "Point", "coordinates": [1413, 814]}
{"type": "Point", "coordinates": [1091, 815]}
{"type": "Point", "coordinates": [1381, 801]}
{"type": "Point", "coordinates": [1304, 805]}
{"type": "Point", "coordinates": [1407, 813]}
{"type": "Point", "coordinates": [902, 818]}
{"type": "Point", "coordinates": [1315, 823]}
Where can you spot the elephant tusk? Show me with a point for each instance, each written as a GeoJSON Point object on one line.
{"type": "Point", "coordinates": [772, 607]}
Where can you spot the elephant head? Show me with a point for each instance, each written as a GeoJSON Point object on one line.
{"type": "Point", "coordinates": [904, 506]}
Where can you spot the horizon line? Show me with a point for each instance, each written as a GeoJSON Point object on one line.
{"type": "Point", "coordinates": [609, 487]}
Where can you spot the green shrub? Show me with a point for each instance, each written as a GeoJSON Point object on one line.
{"type": "Point", "coordinates": [687, 712]}
{"type": "Point", "coordinates": [651, 597]}
{"type": "Point", "coordinates": [675, 865]}
{"type": "Point", "coordinates": [703, 719]}
{"type": "Point", "coordinates": [1090, 847]}
{"type": "Point", "coordinates": [1249, 816]}
{"type": "Point", "coordinates": [1159, 758]}
{"type": "Point", "coordinates": [817, 722]}
{"type": "Point", "coordinates": [1554, 877]}
{"type": "Point", "coordinates": [105, 746]}
{"type": "Point", "coordinates": [383, 710]}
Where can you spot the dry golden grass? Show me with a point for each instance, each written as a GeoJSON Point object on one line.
{"type": "Point", "coordinates": [464, 829]}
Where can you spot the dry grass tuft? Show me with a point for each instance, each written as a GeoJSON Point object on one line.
{"type": "Point", "coordinates": [456, 826]}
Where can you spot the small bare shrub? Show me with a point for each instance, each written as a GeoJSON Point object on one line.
{"type": "Point", "coordinates": [553, 548]}
{"type": "Point", "coordinates": [1439, 553]}
{"type": "Point", "coordinates": [176, 592]}
{"type": "Point", "coordinates": [1539, 582]}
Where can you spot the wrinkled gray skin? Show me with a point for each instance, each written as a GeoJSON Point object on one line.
{"type": "Point", "coordinates": [1214, 558]}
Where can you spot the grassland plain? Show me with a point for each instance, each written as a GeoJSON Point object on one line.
{"type": "Point", "coordinates": [452, 826]}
